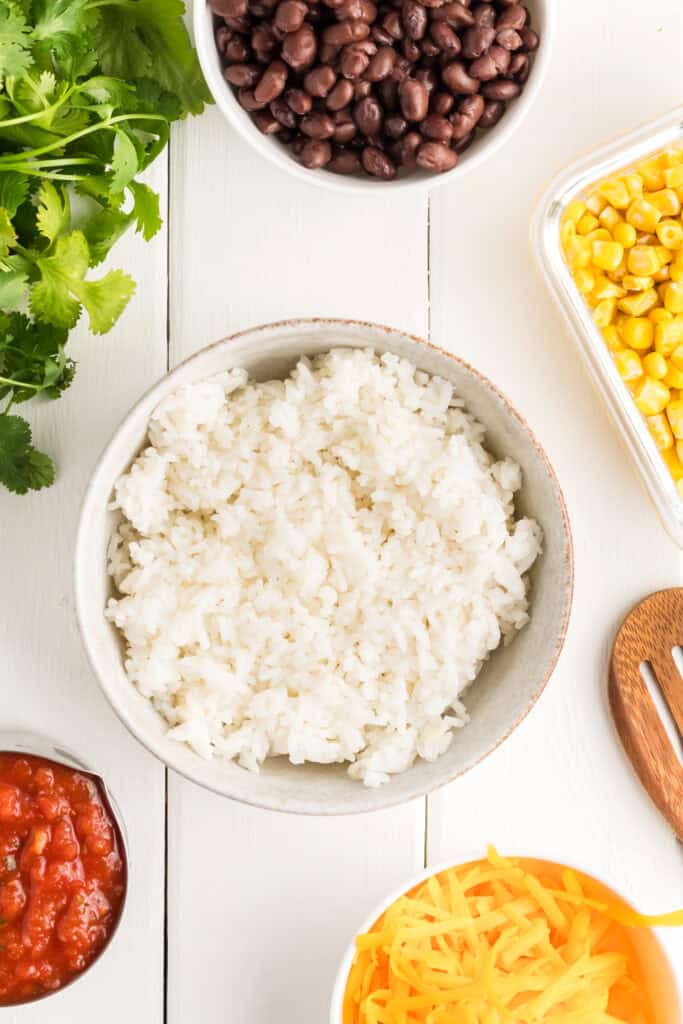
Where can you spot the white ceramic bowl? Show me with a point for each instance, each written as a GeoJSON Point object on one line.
{"type": "Point", "coordinates": [657, 958]}
{"type": "Point", "coordinates": [510, 682]}
{"type": "Point", "coordinates": [543, 20]}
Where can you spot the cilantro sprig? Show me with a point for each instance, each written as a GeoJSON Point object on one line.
{"type": "Point", "coordinates": [88, 89]}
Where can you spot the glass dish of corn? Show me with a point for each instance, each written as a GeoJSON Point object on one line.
{"type": "Point", "coordinates": [608, 238]}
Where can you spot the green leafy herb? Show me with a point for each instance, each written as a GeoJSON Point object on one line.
{"type": "Point", "coordinates": [88, 89]}
{"type": "Point", "coordinates": [22, 467]}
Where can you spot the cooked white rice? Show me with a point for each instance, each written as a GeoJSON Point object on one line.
{"type": "Point", "coordinates": [317, 567]}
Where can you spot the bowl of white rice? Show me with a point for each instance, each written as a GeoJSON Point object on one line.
{"type": "Point", "coordinates": [323, 567]}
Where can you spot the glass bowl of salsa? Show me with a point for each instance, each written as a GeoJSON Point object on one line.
{"type": "Point", "coordinates": [63, 867]}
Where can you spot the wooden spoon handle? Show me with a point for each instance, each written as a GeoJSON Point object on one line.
{"type": "Point", "coordinates": [648, 747]}
{"type": "Point", "coordinates": [649, 634]}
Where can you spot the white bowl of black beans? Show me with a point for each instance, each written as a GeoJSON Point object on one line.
{"type": "Point", "coordinates": [352, 93]}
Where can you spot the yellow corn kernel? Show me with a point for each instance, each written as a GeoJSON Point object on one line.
{"type": "Point", "coordinates": [664, 255]}
{"type": "Point", "coordinates": [589, 223]}
{"type": "Point", "coordinates": [615, 193]}
{"type": "Point", "coordinates": [606, 289]}
{"type": "Point", "coordinates": [584, 280]}
{"type": "Point", "coordinates": [673, 296]}
{"type": "Point", "coordinates": [676, 357]}
{"type": "Point", "coordinates": [634, 185]}
{"type": "Point", "coordinates": [668, 336]}
{"type": "Point", "coordinates": [638, 333]}
{"type": "Point", "coordinates": [643, 261]}
{"type": "Point", "coordinates": [639, 302]}
{"type": "Point", "coordinates": [674, 463]}
{"type": "Point", "coordinates": [625, 234]}
{"type": "Point", "coordinates": [609, 218]}
{"type": "Point", "coordinates": [661, 432]}
{"type": "Point", "coordinates": [628, 364]}
{"type": "Point", "coordinates": [603, 314]}
{"type": "Point", "coordinates": [661, 275]}
{"type": "Point", "coordinates": [607, 255]}
{"type": "Point", "coordinates": [599, 235]}
{"type": "Point", "coordinates": [676, 268]}
{"type": "Point", "coordinates": [596, 204]}
{"type": "Point", "coordinates": [670, 233]}
{"type": "Point", "coordinates": [578, 252]}
{"type": "Point", "coordinates": [653, 176]}
{"type": "Point", "coordinates": [643, 214]}
{"type": "Point", "coordinates": [655, 366]}
{"type": "Point", "coordinates": [666, 201]}
{"type": "Point", "coordinates": [679, 451]}
{"type": "Point", "coordinates": [671, 157]}
{"type": "Point", "coordinates": [612, 338]}
{"type": "Point", "coordinates": [660, 315]}
{"type": "Point", "coordinates": [651, 396]}
{"type": "Point", "coordinates": [675, 416]}
{"type": "Point", "coordinates": [567, 230]}
{"type": "Point", "coordinates": [574, 212]}
{"type": "Point", "coordinates": [637, 284]}
{"type": "Point", "coordinates": [674, 377]}
{"type": "Point", "coordinates": [673, 176]}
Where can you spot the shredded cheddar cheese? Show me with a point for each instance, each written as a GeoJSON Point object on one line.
{"type": "Point", "coordinates": [501, 941]}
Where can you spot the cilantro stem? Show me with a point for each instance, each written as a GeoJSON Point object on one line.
{"type": "Point", "coordinates": [12, 121]}
{"type": "Point", "coordinates": [52, 175]}
{"type": "Point", "coordinates": [67, 141]}
{"type": "Point", "coordinates": [59, 162]}
{"type": "Point", "coordinates": [10, 383]}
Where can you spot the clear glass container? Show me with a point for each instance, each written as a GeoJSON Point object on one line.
{"type": "Point", "coordinates": [618, 155]}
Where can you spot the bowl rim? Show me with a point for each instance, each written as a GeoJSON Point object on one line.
{"type": "Point", "coordinates": [550, 856]}
{"type": "Point", "coordinates": [226, 102]}
{"type": "Point", "coordinates": [154, 745]}
{"type": "Point", "coordinates": [39, 744]}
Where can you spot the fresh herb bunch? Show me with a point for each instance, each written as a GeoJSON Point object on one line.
{"type": "Point", "coordinates": [88, 89]}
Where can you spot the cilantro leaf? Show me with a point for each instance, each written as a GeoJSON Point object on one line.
{"type": "Point", "coordinates": [33, 356]}
{"type": "Point", "coordinates": [8, 235]}
{"type": "Point", "coordinates": [53, 211]}
{"type": "Point", "coordinates": [61, 31]}
{"type": "Point", "coordinates": [106, 299]}
{"type": "Point", "coordinates": [51, 298]}
{"type": "Point", "coordinates": [14, 188]}
{"type": "Point", "coordinates": [13, 289]}
{"type": "Point", "coordinates": [53, 19]}
{"type": "Point", "coordinates": [145, 210]}
{"type": "Point", "coordinates": [22, 467]}
{"type": "Point", "coordinates": [15, 35]}
{"type": "Point", "coordinates": [124, 165]}
{"type": "Point", "coordinates": [148, 39]}
{"type": "Point", "coordinates": [103, 230]}
{"type": "Point", "coordinates": [106, 95]}
{"type": "Point", "coordinates": [58, 296]}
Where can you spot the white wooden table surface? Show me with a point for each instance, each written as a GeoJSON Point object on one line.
{"type": "Point", "coordinates": [238, 915]}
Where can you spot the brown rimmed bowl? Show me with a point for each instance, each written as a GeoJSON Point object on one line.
{"type": "Point", "coordinates": [510, 682]}
{"type": "Point", "coordinates": [19, 741]}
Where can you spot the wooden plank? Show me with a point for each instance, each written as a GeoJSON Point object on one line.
{"type": "Point", "coordinates": [561, 783]}
{"type": "Point", "coordinates": [261, 905]}
{"type": "Point", "coordinates": [45, 683]}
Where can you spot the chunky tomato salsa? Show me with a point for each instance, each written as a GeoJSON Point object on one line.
{"type": "Point", "coordinates": [62, 875]}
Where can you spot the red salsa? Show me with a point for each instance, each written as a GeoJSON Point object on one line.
{"type": "Point", "coordinates": [62, 875]}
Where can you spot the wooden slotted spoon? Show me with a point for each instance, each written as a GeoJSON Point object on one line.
{"type": "Point", "coordinates": [649, 634]}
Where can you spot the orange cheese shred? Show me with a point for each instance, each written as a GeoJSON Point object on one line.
{"type": "Point", "coordinates": [502, 941]}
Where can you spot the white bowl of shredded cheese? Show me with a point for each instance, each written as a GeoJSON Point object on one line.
{"type": "Point", "coordinates": [323, 567]}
